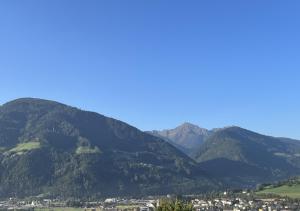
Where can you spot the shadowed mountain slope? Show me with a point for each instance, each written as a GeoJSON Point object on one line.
{"type": "Point", "coordinates": [245, 154]}
{"type": "Point", "coordinates": [56, 150]}
{"type": "Point", "coordinates": [235, 156]}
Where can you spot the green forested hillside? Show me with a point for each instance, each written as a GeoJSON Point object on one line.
{"type": "Point", "coordinates": [244, 157]}
{"type": "Point", "coordinates": [55, 150]}
{"type": "Point", "coordinates": [235, 156]}
{"type": "Point", "coordinates": [50, 149]}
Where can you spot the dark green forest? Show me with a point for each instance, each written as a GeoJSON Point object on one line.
{"type": "Point", "coordinates": [50, 149]}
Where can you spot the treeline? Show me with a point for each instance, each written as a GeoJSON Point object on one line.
{"type": "Point", "coordinates": [289, 182]}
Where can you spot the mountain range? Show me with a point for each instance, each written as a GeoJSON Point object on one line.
{"type": "Point", "coordinates": [51, 149]}
{"type": "Point", "coordinates": [55, 150]}
{"type": "Point", "coordinates": [186, 137]}
{"type": "Point", "coordinates": [236, 156]}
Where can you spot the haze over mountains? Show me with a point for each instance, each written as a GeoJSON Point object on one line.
{"type": "Point", "coordinates": [51, 149]}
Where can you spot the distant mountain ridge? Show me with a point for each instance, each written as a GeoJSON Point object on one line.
{"type": "Point", "coordinates": [236, 156]}
{"type": "Point", "coordinates": [186, 137]}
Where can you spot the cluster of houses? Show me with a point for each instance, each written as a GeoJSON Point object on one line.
{"type": "Point", "coordinates": [225, 203]}
{"type": "Point", "coordinates": [110, 204]}
{"type": "Point", "coordinates": [239, 204]}
{"type": "Point", "coordinates": [16, 204]}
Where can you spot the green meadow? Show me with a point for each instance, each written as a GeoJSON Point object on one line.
{"type": "Point", "coordinates": [292, 191]}
{"type": "Point", "coordinates": [63, 209]}
{"type": "Point", "coordinates": [24, 147]}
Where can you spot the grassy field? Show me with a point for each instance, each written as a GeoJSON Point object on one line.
{"type": "Point", "coordinates": [284, 190]}
{"type": "Point", "coordinates": [87, 150]}
{"type": "Point", "coordinates": [62, 209]}
{"type": "Point", "coordinates": [122, 207]}
{"type": "Point", "coordinates": [2, 149]}
{"type": "Point", "coordinates": [59, 209]}
{"type": "Point", "coordinates": [26, 147]}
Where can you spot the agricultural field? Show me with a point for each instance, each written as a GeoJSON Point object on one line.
{"type": "Point", "coordinates": [23, 147]}
{"type": "Point", "coordinates": [87, 150]}
{"type": "Point", "coordinates": [292, 191]}
{"type": "Point", "coordinates": [64, 209]}
{"type": "Point", "coordinates": [127, 207]}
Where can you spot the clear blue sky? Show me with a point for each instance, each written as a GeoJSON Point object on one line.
{"type": "Point", "coordinates": [158, 63]}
